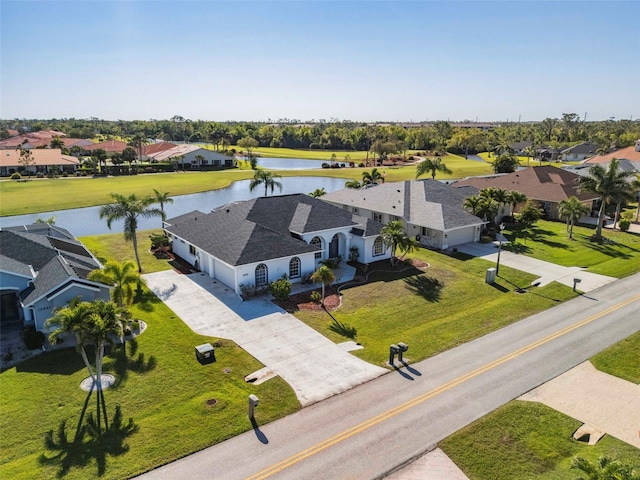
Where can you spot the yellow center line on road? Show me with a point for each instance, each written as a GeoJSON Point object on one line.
{"type": "Point", "coordinates": [278, 467]}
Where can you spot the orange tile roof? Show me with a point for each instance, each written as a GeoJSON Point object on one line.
{"type": "Point", "coordinates": [108, 146]}
{"type": "Point", "coordinates": [41, 156]}
{"type": "Point", "coordinates": [154, 148]}
{"type": "Point", "coordinates": [547, 183]}
{"type": "Point", "coordinates": [628, 153]}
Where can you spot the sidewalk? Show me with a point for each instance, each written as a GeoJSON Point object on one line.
{"type": "Point", "coordinates": [547, 272]}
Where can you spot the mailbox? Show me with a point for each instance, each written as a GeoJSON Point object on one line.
{"type": "Point", "coordinates": [402, 347]}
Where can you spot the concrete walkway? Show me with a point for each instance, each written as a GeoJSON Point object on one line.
{"type": "Point", "coordinates": [435, 465]}
{"type": "Point", "coordinates": [545, 271]}
{"type": "Point", "coordinates": [599, 400]}
{"type": "Point", "coordinates": [311, 364]}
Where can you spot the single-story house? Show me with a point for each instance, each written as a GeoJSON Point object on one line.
{"type": "Point", "coordinates": [432, 211]}
{"type": "Point", "coordinates": [42, 160]}
{"type": "Point", "coordinates": [519, 147]}
{"type": "Point", "coordinates": [187, 154]}
{"type": "Point", "coordinates": [109, 146]}
{"type": "Point", "coordinates": [40, 139]}
{"type": "Point", "coordinates": [548, 185]}
{"type": "Point", "coordinates": [148, 151]}
{"type": "Point", "coordinates": [247, 244]}
{"type": "Point", "coordinates": [579, 152]}
{"type": "Point", "coordinates": [627, 156]}
{"type": "Point", "coordinates": [42, 268]}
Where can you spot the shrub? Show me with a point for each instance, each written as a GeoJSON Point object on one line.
{"type": "Point", "coordinates": [353, 254]}
{"type": "Point", "coordinates": [624, 224]}
{"type": "Point", "coordinates": [39, 175]}
{"type": "Point", "coordinates": [306, 277]}
{"type": "Point", "coordinates": [65, 174]}
{"type": "Point", "coordinates": [32, 338]}
{"type": "Point", "coordinates": [248, 291]}
{"type": "Point", "coordinates": [485, 239]}
{"type": "Point", "coordinates": [280, 289]}
{"type": "Point", "coordinates": [325, 165]}
{"type": "Point", "coordinates": [361, 164]}
{"type": "Point", "coordinates": [315, 296]}
{"type": "Point", "coordinates": [159, 241]}
{"type": "Point", "coordinates": [15, 176]}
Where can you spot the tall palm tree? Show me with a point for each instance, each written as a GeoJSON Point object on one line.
{"type": "Point", "coordinates": [635, 185]}
{"type": "Point", "coordinates": [266, 178]}
{"type": "Point", "coordinates": [130, 208]}
{"type": "Point", "coordinates": [56, 142]}
{"type": "Point", "coordinates": [572, 209]}
{"type": "Point", "coordinates": [395, 237]}
{"type": "Point", "coordinates": [122, 277]}
{"type": "Point", "coordinates": [372, 178]}
{"type": "Point", "coordinates": [138, 141]}
{"type": "Point", "coordinates": [607, 184]}
{"type": "Point", "coordinates": [162, 198]}
{"type": "Point", "coordinates": [431, 165]}
{"type": "Point", "coordinates": [324, 275]}
{"type": "Point", "coordinates": [318, 192]}
{"type": "Point", "coordinates": [472, 204]}
{"type": "Point", "coordinates": [516, 198]}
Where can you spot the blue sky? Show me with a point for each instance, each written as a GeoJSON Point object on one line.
{"type": "Point", "coordinates": [362, 61]}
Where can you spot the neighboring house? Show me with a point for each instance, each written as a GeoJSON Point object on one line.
{"type": "Point", "coordinates": [579, 152]}
{"type": "Point", "coordinates": [519, 147]}
{"type": "Point", "coordinates": [148, 151]}
{"type": "Point", "coordinates": [547, 185]}
{"type": "Point", "coordinates": [629, 156]}
{"type": "Point", "coordinates": [40, 139]}
{"type": "Point", "coordinates": [432, 211]}
{"type": "Point", "coordinates": [43, 160]}
{"type": "Point", "coordinates": [109, 146]}
{"type": "Point", "coordinates": [42, 268]}
{"type": "Point", "coordinates": [250, 243]}
{"type": "Point", "coordinates": [187, 154]}
{"type": "Point", "coordinates": [76, 142]}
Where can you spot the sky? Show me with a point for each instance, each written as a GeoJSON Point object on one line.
{"type": "Point", "coordinates": [361, 61]}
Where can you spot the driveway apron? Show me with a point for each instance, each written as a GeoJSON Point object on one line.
{"type": "Point", "coordinates": [314, 366]}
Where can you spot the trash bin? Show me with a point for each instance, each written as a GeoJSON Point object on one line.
{"type": "Point", "coordinates": [490, 275]}
{"type": "Point", "coordinates": [205, 353]}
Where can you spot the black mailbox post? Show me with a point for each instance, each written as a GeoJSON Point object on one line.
{"type": "Point", "coordinates": [205, 353]}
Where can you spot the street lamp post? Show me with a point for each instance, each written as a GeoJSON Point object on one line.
{"type": "Point", "coordinates": [499, 248]}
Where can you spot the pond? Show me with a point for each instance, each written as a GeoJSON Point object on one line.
{"type": "Point", "coordinates": [290, 163]}
{"type": "Point", "coordinates": [86, 221]}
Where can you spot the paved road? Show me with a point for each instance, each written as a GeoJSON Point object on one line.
{"type": "Point", "coordinates": [378, 426]}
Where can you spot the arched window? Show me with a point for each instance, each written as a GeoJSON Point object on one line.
{"type": "Point", "coordinates": [294, 267]}
{"type": "Point", "coordinates": [262, 275]}
{"type": "Point", "coordinates": [317, 241]}
{"type": "Point", "coordinates": [378, 247]}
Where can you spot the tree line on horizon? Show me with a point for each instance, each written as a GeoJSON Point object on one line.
{"type": "Point", "coordinates": [346, 135]}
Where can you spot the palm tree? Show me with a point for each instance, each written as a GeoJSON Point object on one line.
{"type": "Point", "coordinates": [323, 275]}
{"type": "Point", "coordinates": [267, 178]}
{"type": "Point", "coordinates": [472, 204]}
{"type": "Point", "coordinates": [432, 165]}
{"type": "Point", "coordinates": [56, 142]}
{"type": "Point", "coordinates": [607, 184]}
{"type": "Point", "coordinates": [395, 237]}
{"type": "Point", "coordinates": [604, 468]}
{"type": "Point", "coordinates": [635, 185]}
{"type": "Point", "coordinates": [162, 198]}
{"type": "Point", "coordinates": [372, 177]}
{"type": "Point", "coordinates": [572, 209]}
{"type": "Point", "coordinates": [200, 159]}
{"type": "Point", "coordinates": [138, 141]}
{"type": "Point", "coordinates": [530, 152]}
{"type": "Point", "coordinates": [354, 184]}
{"type": "Point", "coordinates": [318, 192]}
{"type": "Point", "coordinates": [122, 277]}
{"type": "Point", "coordinates": [129, 208]}
{"type": "Point", "coordinates": [515, 198]}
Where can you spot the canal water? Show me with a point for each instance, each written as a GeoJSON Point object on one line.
{"type": "Point", "coordinates": [86, 221]}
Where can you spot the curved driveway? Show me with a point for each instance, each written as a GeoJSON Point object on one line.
{"type": "Point", "coordinates": [315, 367]}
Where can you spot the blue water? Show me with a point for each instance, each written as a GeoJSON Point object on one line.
{"type": "Point", "coordinates": [290, 163]}
{"type": "Point", "coordinates": [474, 158]}
{"type": "Point", "coordinates": [86, 221]}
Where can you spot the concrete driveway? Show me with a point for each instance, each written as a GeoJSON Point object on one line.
{"type": "Point", "coordinates": [314, 366]}
{"type": "Point", "coordinates": [547, 272]}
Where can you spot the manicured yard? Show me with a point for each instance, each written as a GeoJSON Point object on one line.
{"type": "Point", "coordinates": [621, 359]}
{"type": "Point", "coordinates": [526, 440]}
{"type": "Point", "coordinates": [445, 306]}
{"type": "Point", "coordinates": [160, 386]}
{"type": "Point", "coordinates": [42, 195]}
{"type": "Point", "coordinates": [618, 257]}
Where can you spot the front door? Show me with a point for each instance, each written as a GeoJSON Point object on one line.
{"type": "Point", "coordinates": [333, 247]}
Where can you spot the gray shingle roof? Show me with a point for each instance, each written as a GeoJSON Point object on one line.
{"type": "Point", "coordinates": [260, 229]}
{"type": "Point", "coordinates": [427, 203]}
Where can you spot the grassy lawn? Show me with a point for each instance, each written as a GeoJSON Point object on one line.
{"type": "Point", "coordinates": [621, 359]}
{"type": "Point", "coordinates": [160, 386]}
{"type": "Point", "coordinates": [445, 306]}
{"type": "Point", "coordinates": [619, 257]}
{"type": "Point", "coordinates": [42, 195]}
{"type": "Point", "coordinates": [526, 440]}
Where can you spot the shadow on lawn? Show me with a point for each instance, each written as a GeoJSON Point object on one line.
{"type": "Point", "coordinates": [63, 361]}
{"type": "Point", "coordinates": [523, 290]}
{"type": "Point", "coordinates": [429, 288]}
{"type": "Point", "coordinates": [144, 299]}
{"type": "Point", "coordinates": [121, 364]}
{"type": "Point", "coordinates": [88, 443]}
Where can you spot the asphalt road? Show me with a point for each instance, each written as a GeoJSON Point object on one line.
{"type": "Point", "coordinates": [373, 429]}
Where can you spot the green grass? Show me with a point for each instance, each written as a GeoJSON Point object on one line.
{"type": "Point", "coordinates": [621, 359]}
{"type": "Point", "coordinates": [618, 257]}
{"type": "Point", "coordinates": [42, 195]}
{"type": "Point", "coordinates": [434, 311]}
{"type": "Point", "coordinates": [161, 386]}
{"type": "Point", "coordinates": [526, 440]}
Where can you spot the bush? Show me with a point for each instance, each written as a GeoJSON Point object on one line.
{"type": "Point", "coordinates": [486, 239]}
{"type": "Point", "coordinates": [325, 165]}
{"type": "Point", "coordinates": [39, 175]}
{"type": "Point", "coordinates": [306, 277]}
{"type": "Point", "coordinates": [15, 176]}
{"type": "Point", "coordinates": [65, 174]}
{"type": "Point", "coordinates": [280, 289]}
{"type": "Point", "coordinates": [624, 224]}
{"type": "Point", "coordinates": [315, 296]}
{"type": "Point", "coordinates": [32, 338]}
{"type": "Point", "coordinates": [159, 241]}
